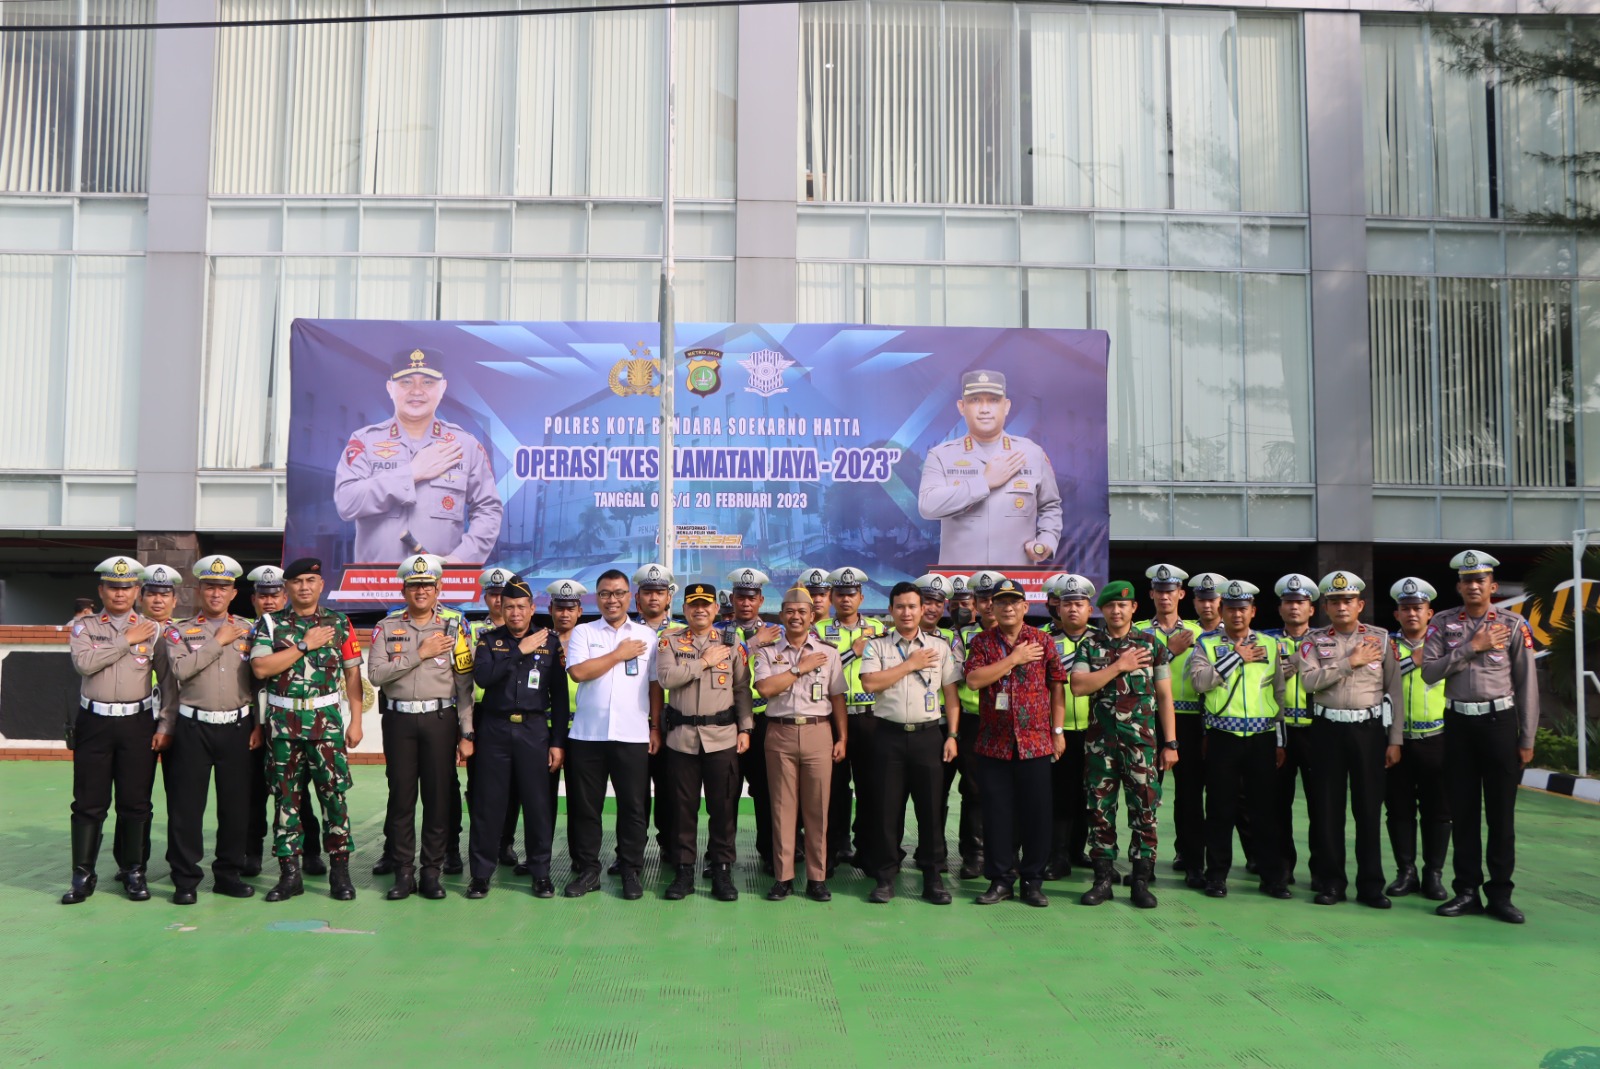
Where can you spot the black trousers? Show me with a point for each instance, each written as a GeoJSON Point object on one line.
{"type": "Point", "coordinates": [970, 826]}
{"type": "Point", "coordinates": [1419, 782]}
{"type": "Point", "coordinates": [589, 765]}
{"type": "Point", "coordinates": [1069, 800]}
{"type": "Point", "coordinates": [262, 806]}
{"type": "Point", "coordinates": [513, 770]}
{"type": "Point", "coordinates": [1484, 769]}
{"type": "Point", "coordinates": [1233, 762]}
{"type": "Point", "coordinates": [1348, 755]}
{"type": "Point", "coordinates": [419, 751]}
{"type": "Point", "coordinates": [198, 753]}
{"type": "Point", "coordinates": [1189, 811]}
{"type": "Point", "coordinates": [113, 752]}
{"type": "Point", "coordinates": [508, 830]}
{"type": "Point", "coordinates": [843, 828]}
{"type": "Point", "coordinates": [1298, 749]}
{"type": "Point", "coordinates": [660, 802]}
{"type": "Point", "coordinates": [686, 775]}
{"type": "Point", "coordinates": [753, 767]}
{"type": "Point", "coordinates": [908, 765]}
{"type": "Point", "coordinates": [1016, 813]}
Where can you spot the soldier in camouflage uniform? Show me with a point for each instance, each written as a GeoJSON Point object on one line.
{"type": "Point", "coordinates": [303, 654]}
{"type": "Point", "coordinates": [1128, 673]}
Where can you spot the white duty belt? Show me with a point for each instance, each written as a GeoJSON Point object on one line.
{"type": "Point", "coordinates": [302, 705]}
{"type": "Point", "coordinates": [118, 708]}
{"type": "Point", "coordinates": [430, 705]}
{"type": "Point", "coordinates": [215, 716]}
{"type": "Point", "coordinates": [1494, 705]}
{"type": "Point", "coordinates": [1350, 716]}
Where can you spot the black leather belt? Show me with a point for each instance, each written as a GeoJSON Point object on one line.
{"type": "Point", "coordinates": [922, 725]}
{"type": "Point", "coordinates": [676, 719]}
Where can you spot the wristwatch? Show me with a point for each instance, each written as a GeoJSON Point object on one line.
{"type": "Point", "coordinates": [1059, 731]}
{"type": "Point", "coordinates": [1170, 744]}
{"type": "Point", "coordinates": [1040, 549]}
{"type": "Point", "coordinates": [302, 647]}
{"type": "Point", "coordinates": [469, 736]}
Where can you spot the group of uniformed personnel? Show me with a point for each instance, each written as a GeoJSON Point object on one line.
{"type": "Point", "coordinates": [833, 724]}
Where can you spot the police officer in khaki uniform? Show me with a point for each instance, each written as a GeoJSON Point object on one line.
{"type": "Point", "coordinates": [1297, 600]}
{"type": "Point", "coordinates": [112, 735]}
{"type": "Point", "coordinates": [994, 494]}
{"type": "Point", "coordinates": [420, 659]}
{"type": "Point", "coordinates": [705, 724]}
{"type": "Point", "coordinates": [1353, 687]}
{"type": "Point", "coordinates": [208, 710]}
{"type": "Point", "coordinates": [1485, 657]}
{"type": "Point", "coordinates": [1417, 784]}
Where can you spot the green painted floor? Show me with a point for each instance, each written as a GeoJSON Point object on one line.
{"type": "Point", "coordinates": [510, 980]}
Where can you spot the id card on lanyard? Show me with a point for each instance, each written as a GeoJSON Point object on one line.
{"type": "Point", "coordinates": [1002, 700]}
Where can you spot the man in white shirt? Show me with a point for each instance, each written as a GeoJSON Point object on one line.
{"type": "Point", "coordinates": [610, 659]}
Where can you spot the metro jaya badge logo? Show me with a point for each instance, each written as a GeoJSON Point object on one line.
{"type": "Point", "coordinates": [766, 368]}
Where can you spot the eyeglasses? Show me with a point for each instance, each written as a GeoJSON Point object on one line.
{"type": "Point", "coordinates": [610, 595]}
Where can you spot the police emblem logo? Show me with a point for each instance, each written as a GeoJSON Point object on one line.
{"type": "Point", "coordinates": [1235, 590]}
{"type": "Point", "coordinates": [1410, 587]}
{"type": "Point", "coordinates": [120, 568]}
{"type": "Point", "coordinates": [1470, 560]}
{"type": "Point", "coordinates": [417, 358]}
{"type": "Point", "coordinates": [1339, 581]}
{"type": "Point", "coordinates": [217, 567]}
{"type": "Point", "coordinates": [498, 578]}
{"type": "Point", "coordinates": [637, 376]}
{"type": "Point", "coordinates": [1019, 502]}
{"type": "Point", "coordinates": [747, 576]}
{"type": "Point", "coordinates": [1163, 573]}
{"type": "Point", "coordinates": [1070, 586]}
{"type": "Point", "coordinates": [566, 590]}
{"type": "Point", "coordinates": [448, 502]}
{"type": "Point", "coordinates": [704, 371]}
{"type": "Point", "coordinates": [1294, 583]}
{"type": "Point", "coordinates": [1207, 584]}
{"type": "Point", "coordinates": [847, 576]}
{"type": "Point", "coordinates": [419, 566]}
{"type": "Point", "coordinates": [765, 368]}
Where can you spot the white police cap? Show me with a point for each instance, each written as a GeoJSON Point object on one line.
{"type": "Point", "coordinates": [1237, 591]}
{"type": "Point", "coordinates": [961, 586]}
{"type": "Point", "coordinates": [120, 571]}
{"type": "Point", "coordinates": [748, 579]}
{"type": "Point", "coordinates": [1165, 576]}
{"type": "Point", "coordinates": [934, 586]}
{"type": "Point", "coordinates": [1295, 585]}
{"type": "Point", "coordinates": [267, 577]}
{"type": "Point", "coordinates": [813, 579]}
{"type": "Point", "coordinates": [161, 577]}
{"type": "Point", "coordinates": [217, 568]}
{"type": "Point", "coordinates": [1208, 584]}
{"type": "Point", "coordinates": [1071, 587]}
{"type": "Point", "coordinates": [982, 582]}
{"type": "Point", "coordinates": [568, 590]}
{"type": "Point", "coordinates": [420, 568]}
{"type": "Point", "coordinates": [843, 577]}
{"type": "Point", "coordinates": [1473, 562]}
{"type": "Point", "coordinates": [1413, 590]}
{"type": "Point", "coordinates": [653, 577]}
{"type": "Point", "coordinates": [1341, 585]}
{"type": "Point", "coordinates": [491, 579]}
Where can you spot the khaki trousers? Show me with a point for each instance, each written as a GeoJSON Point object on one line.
{"type": "Point", "coordinates": [799, 775]}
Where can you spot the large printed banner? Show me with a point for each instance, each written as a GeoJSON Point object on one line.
{"type": "Point", "coordinates": [535, 447]}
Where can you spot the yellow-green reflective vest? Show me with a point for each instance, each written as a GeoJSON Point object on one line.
{"type": "Point", "coordinates": [968, 696]}
{"type": "Point", "coordinates": [1077, 708]}
{"type": "Point", "coordinates": [1296, 710]}
{"type": "Point", "coordinates": [1424, 704]}
{"type": "Point", "coordinates": [1185, 699]}
{"type": "Point", "coordinates": [843, 639]}
{"type": "Point", "coordinates": [1244, 703]}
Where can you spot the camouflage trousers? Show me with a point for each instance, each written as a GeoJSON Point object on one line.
{"type": "Point", "coordinates": [322, 761]}
{"type": "Point", "coordinates": [1121, 753]}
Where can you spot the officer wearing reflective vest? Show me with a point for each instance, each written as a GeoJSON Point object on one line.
{"type": "Point", "coordinates": [1353, 686]}
{"type": "Point", "coordinates": [964, 625]}
{"type": "Point", "coordinates": [1069, 827]}
{"type": "Point", "coordinates": [1240, 678]}
{"type": "Point", "coordinates": [1179, 636]}
{"type": "Point", "coordinates": [850, 840]}
{"type": "Point", "coordinates": [1297, 601]}
{"type": "Point", "coordinates": [1417, 784]}
{"type": "Point", "coordinates": [654, 585]}
{"type": "Point", "coordinates": [747, 630]}
{"type": "Point", "coordinates": [1484, 656]}
{"type": "Point", "coordinates": [112, 732]}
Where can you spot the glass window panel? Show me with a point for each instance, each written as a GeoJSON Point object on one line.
{"type": "Point", "coordinates": [704, 291]}
{"type": "Point", "coordinates": [1405, 519]}
{"type": "Point", "coordinates": [474, 289]}
{"type": "Point", "coordinates": [625, 230]}
{"type": "Point", "coordinates": [905, 295]}
{"type": "Point", "coordinates": [907, 236]}
{"type": "Point", "coordinates": [976, 83]}
{"type": "Point", "coordinates": [313, 288]}
{"type": "Point", "coordinates": [1463, 163]}
{"type": "Point", "coordinates": [1543, 519]}
{"type": "Point", "coordinates": [400, 136]}
{"type": "Point", "coordinates": [1207, 377]}
{"type": "Point", "coordinates": [1203, 242]}
{"type": "Point", "coordinates": [1277, 379]}
{"type": "Point", "coordinates": [1058, 298]}
{"type": "Point", "coordinates": [1273, 244]}
{"type": "Point", "coordinates": [1396, 139]}
{"type": "Point", "coordinates": [396, 289]}
{"type": "Point", "coordinates": [1534, 125]}
{"type": "Point", "coordinates": [109, 225]}
{"type": "Point", "coordinates": [1132, 307]}
{"type": "Point", "coordinates": [832, 234]}
{"type": "Point", "coordinates": [829, 293]}
{"type": "Point", "coordinates": [95, 503]}
{"type": "Point", "coordinates": [1205, 173]}
{"type": "Point", "coordinates": [248, 104]}
{"type": "Point", "coordinates": [116, 98]}
{"type": "Point", "coordinates": [1281, 514]}
{"type": "Point", "coordinates": [478, 58]}
{"type": "Point", "coordinates": [230, 506]}
{"type": "Point", "coordinates": [906, 127]}
{"type": "Point", "coordinates": [397, 228]}
{"type": "Point", "coordinates": [551, 229]}
{"type": "Point", "coordinates": [246, 228]}
{"type": "Point", "coordinates": [1129, 62]}
{"type": "Point", "coordinates": [31, 502]}
{"type": "Point", "coordinates": [1134, 240]}
{"type": "Point", "coordinates": [624, 96]}
{"type": "Point", "coordinates": [1404, 408]}
{"type": "Point", "coordinates": [1399, 250]}
{"type": "Point", "coordinates": [486, 228]}
{"type": "Point", "coordinates": [239, 372]}
{"type": "Point", "coordinates": [1540, 374]}
{"type": "Point", "coordinates": [26, 227]}
{"type": "Point", "coordinates": [1057, 237]}
{"type": "Point", "coordinates": [1586, 311]}
{"type": "Point", "coordinates": [325, 99]}
{"type": "Point", "coordinates": [553, 104]}
{"type": "Point", "coordinates": [704, 232]}
{"type": "Point", "coordinates": [1467, 518]}
{"type": "Point", "coordinates": [1140, 512]}
{"type": "Point", "coordinates": [549, 291]}
{"type": "Point", "coordinates": [1589, 255]}
{"type": "Point", "coordinates": [322, 228]}
{"type": "Point", "coordinates": [1057, 108]}
{"type": "Point", "coordinates": [1471, 393]}
{"type": "Point", "coordinates": [39, 103]}
{"type": "Point", "coordinates": [103, 401]}
{"type": "Point", "coordinates": [1459, 251]}
{"type": "Point", "coordinates": [1271, 114]}
{"type": "Point", "coordinates": [983, 297]}
{"type": "Point", "coordinates": [1218, 514]}
{"type": "Point", "coordinates": [833, 153]}
{"type": "Point", "coordinates": [707, 73]}
{"type": "Point", "coordinates": [990, 237]}
{"type": "Point", "coordinates": [34, 297]}
{"type": "Point", "coordinates": [1532, 252]}
{"type": "Point", "coordinates": [623, 291]}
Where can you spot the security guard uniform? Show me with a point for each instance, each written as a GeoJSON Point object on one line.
{"type": "Point", "coordinates": [1297, 746]}
{"type": "Point", "coordinates": [1491, 712]}
{"type": "Point", "coordinates": [1352, 725]}
{"type": "Point", "coordinates": [210, 714]}
{"type": "Point", "coordinates": [1418, 783]}
{"type": "Point", "coordinates": [110, 739]}
{"type": "Point", "coordinates": [843, 829]}
{"type": "Point", "coordinates": [1242, 719]}
{"type": "Point", "coordinates": [426, 702]}
{"type": "Point", "coordinates": [706, 711]}
{"type": "Point", "coordinates": [524, 715]}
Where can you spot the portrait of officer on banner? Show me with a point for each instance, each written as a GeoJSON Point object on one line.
{"type": "Point", "coordinates": [416, 483]}
{"type": "Point", "coordinates": [994, 494]}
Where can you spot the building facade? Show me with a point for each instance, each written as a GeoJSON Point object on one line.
{"type": "Point", "coordinates": [1329, 333]}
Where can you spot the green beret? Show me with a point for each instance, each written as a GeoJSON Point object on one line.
{"type": "Point", "coordinates": [1116, 590]}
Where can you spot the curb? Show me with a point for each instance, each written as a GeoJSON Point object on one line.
{"type": "Point", "coordinates": [1561, 783]}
